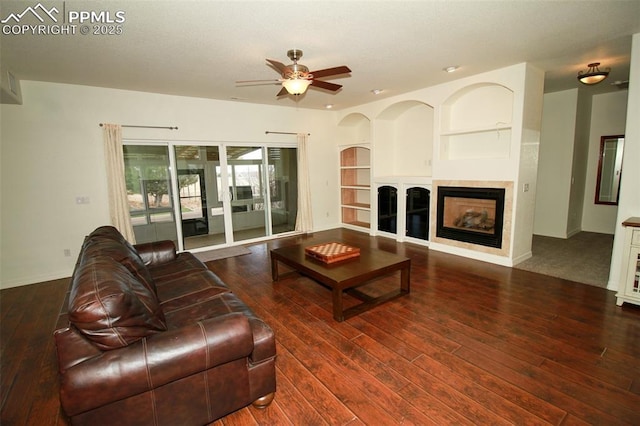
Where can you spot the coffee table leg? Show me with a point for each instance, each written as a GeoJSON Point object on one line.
{"type": "Point", "coordinates": [405, 285]}
{"type": "Point", "coordinates": [274, 269]}
{"type": "Point", "coordinates": [337, 305]}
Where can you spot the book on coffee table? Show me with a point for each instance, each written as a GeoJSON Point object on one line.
{"type": "Point", "coordinates": [332, 252]}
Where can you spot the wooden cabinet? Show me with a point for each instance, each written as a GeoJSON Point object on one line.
{"type": "Point", "coordinates": [355, 186]}
{"type": "Point", "coordinates": [629, 290]}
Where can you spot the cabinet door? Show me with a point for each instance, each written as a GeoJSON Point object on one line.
{"type": "Point", "coordinates": [632, 288]}
{"type": "Point", "coordinates": [417, 211]}
{"type": "Point", "coordinates": [388, 209]}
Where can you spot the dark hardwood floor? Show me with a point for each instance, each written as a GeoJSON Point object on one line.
{"type": "Point", "coordinates": [474, 343]}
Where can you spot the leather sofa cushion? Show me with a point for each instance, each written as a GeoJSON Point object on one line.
{"type": "Point", "coordinates": [101, 244]}
{"type": "Point", "coordinates": [110, 306]}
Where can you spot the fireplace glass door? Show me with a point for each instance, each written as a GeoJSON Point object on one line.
{"type": "Point", "coordinates": [472, 215]}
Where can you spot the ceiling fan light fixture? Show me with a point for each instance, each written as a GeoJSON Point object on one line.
{"type": "Point", "coordinates": [296, 86]}
{"type": "Point", "coordinates": [593, 74]}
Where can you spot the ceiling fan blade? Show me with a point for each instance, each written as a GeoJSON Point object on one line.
{"type": "Point", "coordinates": [256, 82]}
{"type": "Point", "coordinates": [282, 92]}
{"type": "Point", "coordinates": [331, 71]}
{"type": "Point", "coordinates": [278, 65]}
{"type": "Point", "coordinates": [326, 85]}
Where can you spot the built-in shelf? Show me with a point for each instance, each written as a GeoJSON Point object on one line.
{"type": "Point", "coordinates": [497, 127]}
{"type": "Point", "coordinates": [355, 186]}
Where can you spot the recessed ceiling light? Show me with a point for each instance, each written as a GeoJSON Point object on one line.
{"type": "Point", "coordinates": [328, 106]}
{"type": "Point", "coordinates": [450, 69]}
{"type": "Point", "coordinates": [376, 91]}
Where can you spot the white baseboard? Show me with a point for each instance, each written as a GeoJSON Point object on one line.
{"type": "Point", "coordinates": [522, 258]}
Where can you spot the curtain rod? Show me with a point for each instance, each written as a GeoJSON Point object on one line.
{"type": "Point", "coordinates": [283, 133]}
{"type": "Point", "coordinates": [146, 127]}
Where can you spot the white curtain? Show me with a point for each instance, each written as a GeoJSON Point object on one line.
{"type": "Point", "coordinates": [118, 204]}
{"type": "Point", "coordinates": [304, 219]}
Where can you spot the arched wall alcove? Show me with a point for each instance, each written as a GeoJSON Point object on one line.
{"type": "Point", "coordinates": [403, 139]}
{"type": "Point", "coordinates": [354, 128]}
{"type": "Point", "coordinates": [477, 105]}
{"type": "Point", "coordinates": [475, 123]}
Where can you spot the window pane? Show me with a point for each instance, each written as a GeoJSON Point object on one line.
{"type": "Point", "coordinates": [149, 192]}
{"type": "Point", "coordinates": [202, 221]}
{"type": "Point", "coordinates": [246, 188]}
{"type": "Point", "coordinates": [283, 188]}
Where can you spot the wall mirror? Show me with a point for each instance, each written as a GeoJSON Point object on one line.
{"type": "Point", "coordinates": [609, 169]}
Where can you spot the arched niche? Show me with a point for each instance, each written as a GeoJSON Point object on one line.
{"type": "Point", "coordinates": [404, 139]}
{"type": "Point", "coordinates": [481, 105]}
{"type": "Point", "coordinates": [476, 123]}
{"type": "Point", "coordinates": [354, 128]}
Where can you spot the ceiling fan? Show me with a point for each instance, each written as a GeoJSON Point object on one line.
{"type": "Point", "coordinates": [296, 77]}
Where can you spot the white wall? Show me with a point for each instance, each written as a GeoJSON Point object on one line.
{"type": "Point", "coordinates": [629, 204]}
{"type": "Point", "coordinates": [608, 117]}
{"type": "Point", "coordinates": [525, 201]}
{"type": "Point", "coordinates": [579, 163]}
{"type": "Point", "coordinates": [52, 152]}
{"type": "Point", "coordinates": [557, 139]}
{"type": "Point", "coordinates": [414, 142]}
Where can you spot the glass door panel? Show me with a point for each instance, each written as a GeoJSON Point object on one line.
{"type": "Point", "coordinates": [387, 209]}
{"type": "Point", "coordinates": [149, 192]}
{"type": "Point", "coordinates": [418, 213]}
{"type": "Point", "coordinates": [283, 188]}
{"type": "Point", "coordinates": [247, 192]}
{"type": "Point", "coordinates": [202, 218]}
{"type": "Point", "coordinates": [193, 203]}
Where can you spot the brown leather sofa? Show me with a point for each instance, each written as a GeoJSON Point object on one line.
{"type": "Point", "coordinates": [153, 337]}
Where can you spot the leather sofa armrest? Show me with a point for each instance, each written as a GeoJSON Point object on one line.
{"type": "Point", "coordinates": [155, 361]}
{"type": "Point", "coordinates": [157, 252]}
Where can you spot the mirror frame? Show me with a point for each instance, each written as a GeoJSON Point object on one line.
{"type": "Point", "coordinates": [603, 141]}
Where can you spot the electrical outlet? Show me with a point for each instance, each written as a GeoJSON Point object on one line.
{"type": "Point", "coordinates": [525, 187]}
{"type": "Point", "coordinates": [82, 200]}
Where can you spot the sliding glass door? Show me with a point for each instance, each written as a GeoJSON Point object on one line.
{"type": "Point", "coordinates": [282, 176]}
{"type": "Point", "coordinates": [220, 194]}
{"type": "Point", "coordinates": [263, 189]}
{"type": "Point", "coordinates": [200, 196]}
{"type": "Point", "coordinates": [149, 192]}
{"type": "Point", "coordinates": [247, 192]}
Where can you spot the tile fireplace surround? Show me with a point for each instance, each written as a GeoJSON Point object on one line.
{"type": "Point", "coordinates": [473, 222]}
{"type": "Point", "coordinates": [473, 215]}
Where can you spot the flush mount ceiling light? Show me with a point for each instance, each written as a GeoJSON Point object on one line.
{"type": "Point", "coordinates": [450, 69]}
{"type": "Point", "coordinates": [593, 74]}
{"type": "Point", "coordinates": [376, 91]}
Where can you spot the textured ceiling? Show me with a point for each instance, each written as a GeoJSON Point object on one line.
{"type": "Point", "coordinates": [200, 48]}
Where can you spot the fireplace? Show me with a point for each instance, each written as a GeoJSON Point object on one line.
{"type": "Point", "coordinates": [472, 215]}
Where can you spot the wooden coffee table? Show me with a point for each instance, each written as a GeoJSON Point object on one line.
{"type": "Point", "coordinates": [346, 275]}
